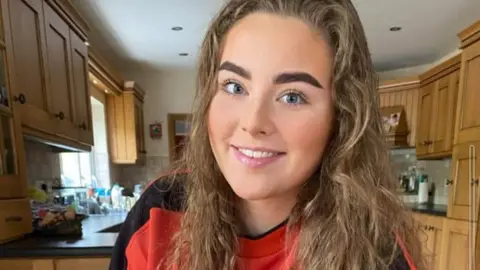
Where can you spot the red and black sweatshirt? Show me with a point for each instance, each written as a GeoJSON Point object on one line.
{"type": "Point", "coordinates": [145, 238]}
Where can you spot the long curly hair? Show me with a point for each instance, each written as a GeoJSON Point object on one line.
{"type": "Point", "coordinates": [348, 211]}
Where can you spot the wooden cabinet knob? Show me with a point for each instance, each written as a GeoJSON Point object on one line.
{"type": "Point", "coordinates": [60, 115]}
{"type": "Point", "coordinates": [83, 126]}
{"type": "Point", "coordinates": [20, 99]}
{"type": "Point", "coordinates": [13, 219]}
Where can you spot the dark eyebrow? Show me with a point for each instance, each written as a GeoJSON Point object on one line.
{"type": "Point", "coordinates": [297, 77]}
{"type": "Point", "coordinates": [235, 69]}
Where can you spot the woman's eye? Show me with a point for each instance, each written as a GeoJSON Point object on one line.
{"type": "Point", "coordinates": [233, 88]}
{"type": "Point", "coordinates": [293, 98]}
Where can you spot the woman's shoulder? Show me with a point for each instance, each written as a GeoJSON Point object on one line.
{"type": "Point", "coordinates": [161, 203]}
{"type": "Point", "coordinates": [166, 192]}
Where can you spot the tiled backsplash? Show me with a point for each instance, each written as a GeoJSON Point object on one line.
{"type": "Point", "coordinates": [437, 170]}
{"type": "Point", "coordinates": [43, 165]}
{"type": "Point", "coordinates": [136, 174]}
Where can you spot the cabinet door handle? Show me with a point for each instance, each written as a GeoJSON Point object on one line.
{"type": "Point", "coordinates": [20, 99]}
{"type": "Point", "coordinates": [83, 126]}
{"type": "Point", "coordinates": [13, 219]}
{"type": "Point", "coordinates": [449, 182]}
{"type": "Point", "coordinates": [60, 115]}
{"type": "Point", "coordinates": [472, 174]}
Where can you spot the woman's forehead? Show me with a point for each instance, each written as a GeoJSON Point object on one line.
{"type": "Point", "coordinates": [268, 44]}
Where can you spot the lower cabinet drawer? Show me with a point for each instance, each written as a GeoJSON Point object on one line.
{"type": "Point", "coordinates": [15, 219]}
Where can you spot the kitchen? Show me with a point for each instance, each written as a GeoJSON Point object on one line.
{"type": "Point", "coordinates": [116, 124]}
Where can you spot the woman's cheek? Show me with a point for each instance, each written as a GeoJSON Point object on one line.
{"type": "Point", "coordinates": [223, 115]}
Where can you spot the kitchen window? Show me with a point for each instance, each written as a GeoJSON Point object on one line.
{"type": "Point", "coordinates": [89, 168]}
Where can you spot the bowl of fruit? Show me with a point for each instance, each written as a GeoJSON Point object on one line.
{"type": "Point", "coordinates": [58, 222]}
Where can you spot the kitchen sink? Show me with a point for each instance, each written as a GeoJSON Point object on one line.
{"type": "Point", "coordinates": [113, 229]}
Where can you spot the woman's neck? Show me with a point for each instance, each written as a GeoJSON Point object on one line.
{"type": "Point", "coordinates": [259, 216]}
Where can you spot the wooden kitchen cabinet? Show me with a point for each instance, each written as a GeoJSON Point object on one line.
{"type": "Point", "coordinates": [402, 93]}
{"type": "Point", "coordinates": [50, 66]}
{"type": "Point", "coordinates": [430, 233]}
{"type": "Point", "coordinates": [56, 264]}
{"type": "Point", "coordinates": [125, 125]}
{"type": "Point", "coordinates": [467, 127]}
{"type": "Point", "coordinates": [15, 218]}
{"type": "Point", "coordinates": [27, 264]}
{"type": "Point", "coordinates": [82, 263]}
{"type": "Point", "coordinates": [59, 73]}
{"type": "Point", "coordinates": [436, 107]}
{"type": "Point", "coordinates": [425, 106]}
{"type": "Point", "coordinates": [455, 247]}
{"type": "Point", "coordinates": [13, 179]}
{"type": "Point", "coordinates": [29, 61]}
{"type": "Point", "coordinates": [465, 173]}
{"type": "Point", "coordinates": [81, 89]}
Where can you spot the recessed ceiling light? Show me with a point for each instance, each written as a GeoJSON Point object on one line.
{"type": "Point", "coordinates": [87, 43]}
{"type": "Point", "coordinates": [95, 81]}
{"type": "Point", "coordinates": [183, 54]}
{"type": "Point", "coordinates": [395, 28]}
{"type": "Point", "coordinates": [177, 28]}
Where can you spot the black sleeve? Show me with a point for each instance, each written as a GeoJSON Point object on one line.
{"type": "Point", "coordinates": [400, 263]}
{"type": "Point", "coordinates": [163, 194]}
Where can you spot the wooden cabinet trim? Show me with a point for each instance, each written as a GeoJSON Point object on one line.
{"type": "Point", "coordinates": [441, 70]}
{"type": "Point", "coordinates": [469, 35]}
{"type": "Point", "coordinates": [133, 87]}
{"type": "Point", "coordinates": [399, 84]}
{"type": "Point", "coordinates": [67, 11]}
{"type": "Point", "coordinates": [105, 73]}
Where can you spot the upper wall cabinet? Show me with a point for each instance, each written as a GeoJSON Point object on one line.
{"type": "Point", "coordinates": [402, 93]}
{"type": "Point", "coordinates": [125, 120]}
{"type": "Point", "coordinates": [13, 179]}
{"type": "Point", "coordinates": [126, 125]}
{"type": "Point", "coordinates": [467, 127]}
{"type": "Point", "coordinates": [50, 64]}
{"type": "Point", "coordinates": [436, 107]}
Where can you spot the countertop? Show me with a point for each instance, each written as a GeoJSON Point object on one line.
{"type": "Point", "coordinates": [92, 243]}
{"type": "Point", "coordinates": [99, 244]}
{"type": "Point", "coordinates": [430, 209]}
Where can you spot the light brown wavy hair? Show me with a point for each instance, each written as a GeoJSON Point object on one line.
{"type": "Point", "coordinates": [348, 211]}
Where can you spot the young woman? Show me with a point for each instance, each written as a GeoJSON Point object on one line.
{"type": "Point", "coordinates": [287, 167]}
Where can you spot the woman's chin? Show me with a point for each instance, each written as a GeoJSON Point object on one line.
{"type": "Point", "coordinates": [250, 193]}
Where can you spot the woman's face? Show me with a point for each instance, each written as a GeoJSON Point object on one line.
{"type": "Point", "coordinates": [272, 114]}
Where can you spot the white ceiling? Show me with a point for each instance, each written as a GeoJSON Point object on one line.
{"type": "Point", "coordinates": [138, 33]}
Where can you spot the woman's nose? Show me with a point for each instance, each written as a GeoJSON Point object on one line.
{"type": "Point", "coordinates": [257, 118]}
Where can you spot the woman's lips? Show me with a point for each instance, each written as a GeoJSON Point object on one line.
{"type": "Point", "coordinates": [255, 162]}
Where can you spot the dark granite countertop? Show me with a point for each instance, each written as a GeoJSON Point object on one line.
{"type": "Point", "coordinates": [99, 244]}
{"type": "Point", "coordinates": [430, 209]}
{"type": "Point", "coordinates": [92, 243]}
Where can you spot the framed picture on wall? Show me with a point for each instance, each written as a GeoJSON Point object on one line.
{"type": "Point", "coordinates": [156, 131]}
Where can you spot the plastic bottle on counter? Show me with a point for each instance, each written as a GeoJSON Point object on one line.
{"type": "Point", "coordinates": [422, 189]}
{"type": "Point", "coordinates": [115, 196]}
